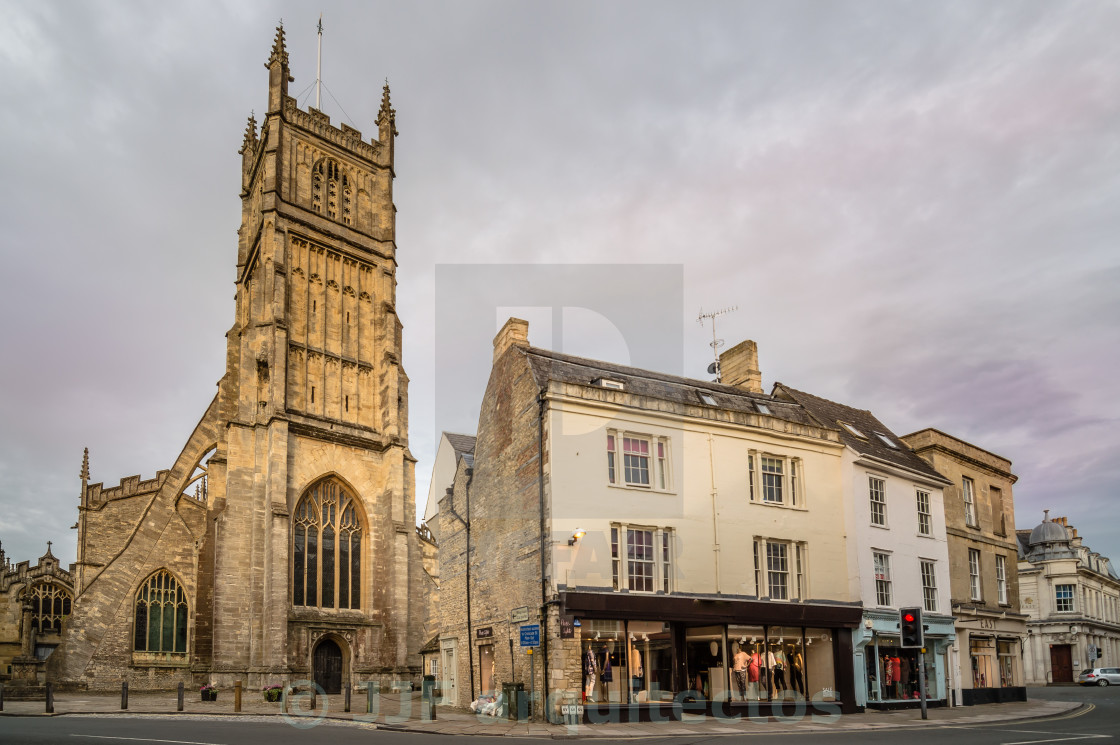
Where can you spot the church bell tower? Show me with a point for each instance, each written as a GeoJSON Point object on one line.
{"type": "Point", "coordinates": [313, 483]}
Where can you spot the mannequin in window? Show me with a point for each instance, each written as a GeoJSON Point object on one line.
{"type": "Point", "coordinates": [754, 673]}
{"type": "Point", "coordinates": [605, 674]}
{"type": "Point", "coordinates": [768, 671]}
{"type": "Point", "coordinates": [635, 672]}
{"type": "Point", "coordinates": [896, 676]}
{"type": "Point", "coordinates": [904, 676]}
{"type": "Point", "coordinates": [778, 665]}
{"type": "Point", "coordinates": [590, 674]}
{"type": "Point", "coordinates": [796, 666]}
{"type": "Point", "coordinates": [739, 664]}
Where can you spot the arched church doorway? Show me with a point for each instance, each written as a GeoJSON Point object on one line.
{"type": "Point", "coordinates": [326, 666]}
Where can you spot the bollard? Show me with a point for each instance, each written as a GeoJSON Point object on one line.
{"type": "Point", "coordinates": [237, 695]}
{"type": "Point", "coordinates": [369, 697]}
{"type": "Point", "coordinates": [314, 695]}
{"type": "Point", "coordinates": [1, 696]}
{"type": "Point", "coordinates": [50, 698]}
{"type": "Point", "coordinates": [179, 707]}
{"type": "Point", "coordinates": [124, 695]}
{"type": "Point", "coordinates": [346, 705]}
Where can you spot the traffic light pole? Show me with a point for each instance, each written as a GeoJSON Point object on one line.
{"type": "Point", "coordinates": [922, 680]}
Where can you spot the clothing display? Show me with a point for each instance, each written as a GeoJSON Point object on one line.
{"type": "Point", "coordinates": [591, 675]}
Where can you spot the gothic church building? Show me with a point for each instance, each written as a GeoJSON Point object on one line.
{"type": "Point", "coordinates": [281, 545]}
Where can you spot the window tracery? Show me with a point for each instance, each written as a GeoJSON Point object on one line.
{"type": "Point", "coordinates": [327, 548]}
{"type": "Point", "coordinates": [161, 615]}
{"type": "Point", "coordinates": [50, 605]}
{"type": "Point", "coordinates": [331, 192]}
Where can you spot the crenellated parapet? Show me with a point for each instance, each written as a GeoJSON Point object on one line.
{"type": "Point", "coordinates": [130, 486]}
{"type": "Point", "coordinates": [318, 123]}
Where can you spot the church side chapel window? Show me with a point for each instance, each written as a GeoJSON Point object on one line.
{"type": "Point", "coordinates": [161, 615]}
{"type": "Point", "coordinates": [327, 553]}
{"type": "Point", "coordinates": [50, 605]}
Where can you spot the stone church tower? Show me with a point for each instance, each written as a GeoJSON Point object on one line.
{"type": "Point", "coordinates": [296, 554]}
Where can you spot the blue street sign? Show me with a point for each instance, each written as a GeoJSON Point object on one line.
{"type": "Point", "coordinates": [531, 635]}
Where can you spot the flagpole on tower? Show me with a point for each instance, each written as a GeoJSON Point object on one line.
{"type": "Point", "coordinates": [319, 68]}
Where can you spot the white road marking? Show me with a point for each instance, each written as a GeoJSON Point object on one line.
{"type": "Point", "coordinates": [145, 739]}
{"type": "Point", "coordinates": [1056, 739]}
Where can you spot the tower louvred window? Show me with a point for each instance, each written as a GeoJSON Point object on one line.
{"type": "Point", "coordinates": [327, 548]}
{"type": "Point", "coordinates": [331, 192]}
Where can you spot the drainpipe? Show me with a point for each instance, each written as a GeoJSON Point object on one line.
{"type": "Point", "coordinates": [715, 515]}
{"type": "Point", "coordinates": [544, 543]}
{"type": "Point", "coordinates": [470, 639]}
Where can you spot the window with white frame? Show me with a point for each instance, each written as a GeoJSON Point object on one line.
{"type": "Point", "coordinates": [974, 574]}
{"type": "Point", "coordinates": [1063, 598]}
{"type": "Point", "coordinates": [771, 480]}
{"type": "Point", "coordinates": [882, 561]}
{"type": "Point", "coordinates": [779, 568]}
{"type": "Point", "coordinates": [878, 491]}
{"type": "Point", "coordinates": [1001, 579]}
{"type": "Point", "coordinates": [637, 460]}
{"type": "Point", "coordinates": [929, 586]}
{"type": "Point", "coordinates": [925, 516]}
{"type": "Point", "coordinates": [969, 502]}
{"type": "Point", "coordinates": [641, 558]}
{"type": "Point", "coordinates": [775, 477]}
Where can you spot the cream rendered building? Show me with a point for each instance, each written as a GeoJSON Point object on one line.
{"type": "Point", "coordinates": [655, 527]}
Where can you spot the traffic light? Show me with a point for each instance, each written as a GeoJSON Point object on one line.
{"type": "Point", "coordinates": [910, 628]}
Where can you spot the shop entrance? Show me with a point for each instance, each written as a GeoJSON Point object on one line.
{"type": "Point", "coordinates": [1061, 663]}
{"type": "Point", "coordinates": [486, 668]}
{"type": "Point", "coordinates": [327, 666]}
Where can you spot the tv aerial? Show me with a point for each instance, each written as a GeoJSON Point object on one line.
{"type": "Point", "coordinates": [716, 343]}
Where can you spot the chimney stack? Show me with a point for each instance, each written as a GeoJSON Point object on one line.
{"type": "Point", "coordinates": [738, 366]}
{"type": "Point", "coordinates": [515, 332]}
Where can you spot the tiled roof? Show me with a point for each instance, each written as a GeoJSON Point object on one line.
{"type": "Point", "coordinates": [461, 443]}
{"type": "Point", "coordinates": [431, 646]}
{"type": "Point", "coordinates": [831, 415]}
{"type": "Point", "coordinates": [547, 365]}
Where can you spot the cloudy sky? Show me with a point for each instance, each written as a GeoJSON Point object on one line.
{"type": "Point", "coordinates": [913, 205]}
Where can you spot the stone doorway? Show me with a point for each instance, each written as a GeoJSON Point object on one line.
{"type": "Point", "coordinates": [1061, 663]}
{"type": "Point", "coordinates": [327, 666]}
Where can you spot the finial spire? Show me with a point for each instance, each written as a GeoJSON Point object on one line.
{"type": "Point", "coordinates": [249, 143]}
{"type": "Point", "coordinates": [279, 48]}
{"type": "Point", "coordinates": [1046, 516]}
{"type": "Point", "coordinates": [49, 554]}
{"type": "Point", "coordinates": [84, 475]}
{"type": "Point", "coordinates": [387, 114]}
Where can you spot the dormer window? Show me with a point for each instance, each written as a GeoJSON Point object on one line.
{"type": "Point", "coordinates": [852, 430]}
{"type": "Point", "coordinates": [886, 440]}
{"type": "Point", "coordinates": [617, 385]}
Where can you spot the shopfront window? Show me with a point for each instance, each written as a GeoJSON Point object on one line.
{"type": "Point", "coordinates": [749, 664]}
{"type": "Point", "coordinates": [982, 652]}
{"type": "Point", "coordinates": [704, 658]}
{"type": "Point", "coordinates": [651, 661]}
{"type": "Point", "coordinates": [788, 664]}
{"type": "Point", "coordinates": [893, 675]}
{"type": "Point", "coordinates": [820, 672]}
{"type": "Point", "coordinates": [603, 661]}
{"type": "Point", "coordinates": [1006, 652]}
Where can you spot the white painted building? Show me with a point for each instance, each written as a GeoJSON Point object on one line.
{"type": "Point", "coordinates": [897, 555]}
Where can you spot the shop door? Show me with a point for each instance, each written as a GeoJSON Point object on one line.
{"type": "Point", "coordinates": [327, 667]}
{"type": "Point", "coordinates": [1061, 663]}
{"type": "Point", "coordinates": [448, 665]}
{"type": "Point", "coordinates": [486, 668]}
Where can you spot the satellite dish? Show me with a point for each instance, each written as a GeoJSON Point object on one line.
{"type": "Point", "coordinates": [713, 368]}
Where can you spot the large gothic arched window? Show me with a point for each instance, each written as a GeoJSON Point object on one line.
{"type": "Point", "coordinates": [161, 615]}
{"type": "Point", "coordinates": [50, 605]}
{"type": "Point", "coordinates": [327, 548]}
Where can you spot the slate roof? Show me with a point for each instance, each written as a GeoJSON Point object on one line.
{"type": "Point", "coordinates": [830, 414]}
{"type": "Point", "coordinates": [547, 365]}
{"type": "Point", "coordinates": [461, 443]}
{"type": "Point", "coordinates": [431, 646]}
